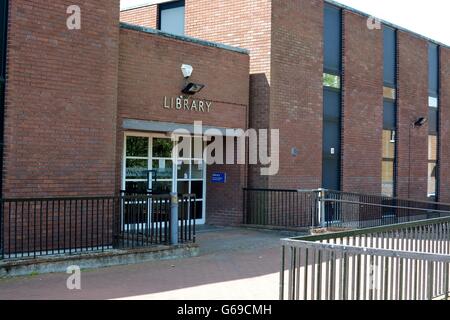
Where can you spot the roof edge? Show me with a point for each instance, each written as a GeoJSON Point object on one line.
{"type": "Point", "coordinates": [386, 23]}
{"type": "Point", "coordinates": [147, 30]}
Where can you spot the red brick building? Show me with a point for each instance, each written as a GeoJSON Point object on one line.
{"type": "Point", "coordinates": [86, 109]}
{"type": "Point", "coordinates": [287, 41]}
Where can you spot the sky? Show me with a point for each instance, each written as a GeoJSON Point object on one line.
{"type": "Point", "coordinates": [426, 17]}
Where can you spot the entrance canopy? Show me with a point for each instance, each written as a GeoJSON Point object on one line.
{"type": "Point", "coordinates": [167, 127]}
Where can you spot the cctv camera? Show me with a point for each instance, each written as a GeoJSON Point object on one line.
{"type": "Point", "coordinates": [187, 70]}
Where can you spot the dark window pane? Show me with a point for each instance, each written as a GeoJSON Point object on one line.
{"type": "Point", "coordinates": [433, 120]}
{"type": "Point", "coordinates": [137, 147]}
{"type": "Point", "coordinates": [136, 187]}
{"type": "Point", "coordinates": [433, 69]}
{"type": "Point", "coordinates": [183, 187]}
{"type": "Point", "coordinates": [197, 189]}
{"type": "Point", "coordinates": [331, 174]}
{"type": "Point", "coordinates": [390, 59]}
{"type": "Point", "coordinates": [332, 39]}
{"type": "Point", "coordinates": [331, 139]}
{"type": "Point", "coordinates": [171, 17]}
{"type": "Point", "coordinates": [332, 104]}
{"type": "Point", "coordinates": [199, 210]}
{"type": "Point", "coordinates": [162, 187]}
{"type": "Point", "coordinates": [136, 169]}
{"type": "Point", "coordinates": [162, 148]}
{"type": "Point", "coordinates": [389, 117]}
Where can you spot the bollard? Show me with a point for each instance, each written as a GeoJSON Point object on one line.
{"type": "Point", "coordinates": [174, 219]}
{"type": "Point", "coordinates": [321, 207]}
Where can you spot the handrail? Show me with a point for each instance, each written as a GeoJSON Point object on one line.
{"type": "Point", "coordinates": [384, 197]}
{"type": "Point", "coordinates": [384, 205]}
{"type": "Point", "coordinates": [372, 230]}
{"type": "Point", "coordinates": [366, 250]}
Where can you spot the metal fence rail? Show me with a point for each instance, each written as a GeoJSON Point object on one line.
{"type": "Point", "coordinates": [280, 208]}
{"type": "Point", "coordinates": [407, 261]}
{"type": "Point", "coordinates": [354, 210]}
{"type": "Point", "coordinates": [41, 227]}
{"type": "Point", "coordinates": [292, 209]}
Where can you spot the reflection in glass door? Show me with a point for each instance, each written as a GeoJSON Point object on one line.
{"type": "Point", "coordinates": [184, 173]}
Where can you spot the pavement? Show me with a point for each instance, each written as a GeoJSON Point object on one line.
{"type": "Point", "coordinates": [234, 263]}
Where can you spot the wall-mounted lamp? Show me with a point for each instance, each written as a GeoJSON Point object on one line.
{"type": "Point", "coordinates": [420, 122]}
{"type": "Point", "coordinates": [193, 88]}
{"type": "Point", "coordinates": [187, 70]}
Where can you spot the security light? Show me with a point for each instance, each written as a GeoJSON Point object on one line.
{"type": "Point", "coordinates": [187, 70]}
{"type": "Point", "coordinates": [420, 122]}
{"type": "Point", "coordinates": [193, 88]}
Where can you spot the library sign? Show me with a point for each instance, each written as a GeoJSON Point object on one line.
{"type": "Point", "coordinates": [187, 104]}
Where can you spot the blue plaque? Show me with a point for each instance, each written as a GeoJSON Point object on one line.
{"type": "Point", "coordinates": [219, 177]}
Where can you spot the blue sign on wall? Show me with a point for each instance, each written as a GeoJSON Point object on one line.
{"type": "Point", "coordinates": [219, 177]}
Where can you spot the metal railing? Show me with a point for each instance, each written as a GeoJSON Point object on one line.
{"type": "Point", "coordinates": [408, 261]}
{"type": "Point", "coordinates": [281, 208]}
{"type": "Point", "coordinates": [293, 209]}
{"type": "Point", "coordinates": [354, 210]}
{"type": "Point", "coordinates": [41, 227]}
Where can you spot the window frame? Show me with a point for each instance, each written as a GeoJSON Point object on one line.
{"type": "Point", "coordinates": [171, 5]}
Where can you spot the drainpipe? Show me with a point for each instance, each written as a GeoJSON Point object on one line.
{"type": "Point", "coordinates": [3, 42]}
{"type": "Point", "coordinates": [3, 51]}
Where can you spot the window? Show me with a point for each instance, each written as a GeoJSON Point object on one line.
{"type": "Point", "coordinates": [433, 102]}
{"type": "Point", "coordinates": [432, 167]}
{"type": "Point", "coordinates": [184, 173]}
{"type": "Point", "coordinates": [388, 164]}
{"type": "Point", "coordinates": [331, 80]}
{"type": "Point", "coordinates": [332, 68]}
{"type": "Point", "coordinates": [433, 120]}
{"type": "Point", "coordinates": [332, 38]}
{"type": "Point", "coordinates": [390, 56]}
{"type": "Point", "coordinates": [171, 17]}
{"type": "Point", "coordinates": [389, 93]}
{"type": "Point", "coordinates": [433, 69]}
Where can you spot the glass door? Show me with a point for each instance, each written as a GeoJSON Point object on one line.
{"type": "Point", "coordinates": [191, 173]}
{"type": "Point", "coordinates": [183, 173]}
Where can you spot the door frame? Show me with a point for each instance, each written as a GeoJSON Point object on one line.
{"type": "Point", "coordinates": [150, 136]}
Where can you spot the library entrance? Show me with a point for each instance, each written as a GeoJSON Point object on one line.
{"type": "Point", "coordinates": [150, 166]}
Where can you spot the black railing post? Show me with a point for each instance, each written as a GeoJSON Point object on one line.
{"type": "Point", "coordinates": [2, 230]}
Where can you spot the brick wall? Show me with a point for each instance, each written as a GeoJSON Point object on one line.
{"type": "Point", "coordinates": [61, 99]}
{"type": "Point", "coordinates": [444, 111]}
{"type": "Point", "coordinates": [296, 102]}
{"type": "Point", "coordinates": [224, 202]}
{"type": "Point", "coordinates": [363, 106]}
{"type": "Point", "coordinates": [412, 103]}
{"type": "Point", "coordinates": [144, 16]}
{"type": "Point", "coordinates": [245, 24]}
{"type": "Point", "coordinates": [150, 69]}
